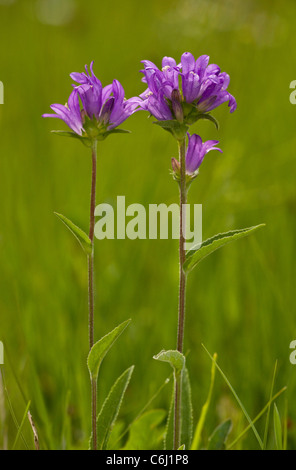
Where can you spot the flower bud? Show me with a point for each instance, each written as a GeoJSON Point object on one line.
{"type": "Point", "coordinates": [177, 106]}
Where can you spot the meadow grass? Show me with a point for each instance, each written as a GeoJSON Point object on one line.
{"type": "Point", "coordinates": [240, 301]}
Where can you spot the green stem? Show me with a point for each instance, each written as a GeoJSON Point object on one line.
{"type": "Point", "coordinates": [182, 289]}
{"type": "Point", "coordinates": [91, 291]}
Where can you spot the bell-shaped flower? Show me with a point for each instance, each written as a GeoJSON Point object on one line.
{"type": "Point", "coordinates": [196, 151]}
{"type": "Point", "coordinates": [94, 111]}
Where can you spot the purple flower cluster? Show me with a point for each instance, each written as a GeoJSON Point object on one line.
{"type": "Point", "coordinates": [103, 108]}
{"type": "Point", "coordinates": [203, 88]}
{"type": "Point", "coordinates": [177, 96]}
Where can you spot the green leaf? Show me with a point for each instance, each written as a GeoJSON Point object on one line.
{"type": "Point", "coordinates": [118, 131]}
{"type": "Point", "coordinates": [199, 252]}
{"type": "Point", "coordinates": [186, 415]}
{"type": "Point", "coordinates": [146, 433]}
{"type": "Point", "coordinates": [84, 140]}
{"type": "Point", "coordinates": [194, 117]}
{"type": "Point", "coordinates": [204, 410]}
{"type": "Point", "coordinates": [218, 439]}
{"type": "Point", "coordinates": [169, 429]}
{"type": "Point", "coordinates": [186, 410]}
{"type": "Point", "coordinates": [101, 347]}
{"type": "Point", "coordinates": [182, 447]}
{"type": "Point", "coordinates": [176, 128]}
{"type": "Point", "coordinates": [111, 407]}
{"type": "Point", "coordinates": [173, 357]}
{"type": "Point", "coordinates": [79, 234]}
{"type": "Point", "coordinates": [116, 438]}
{"type": "Point", "coordinates": [277, 428]}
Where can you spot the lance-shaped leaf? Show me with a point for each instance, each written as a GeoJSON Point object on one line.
{"type": "Point", "coordinates": [85, 140]}
{"type": "Point", "coordinates": [110, 409]}
{"type": "Point", "coordinates": [218, 438]}
{"type": "Point", "coordinates": [177, 361]}
{"type": "Point", "coordinates": [199, 252]}
{"type": "Point", "coordinates": [186, 415]}
{"type": "Point", "coordinates": [101, 347]}
{"type": "Point", "coordinates": [81, 236]}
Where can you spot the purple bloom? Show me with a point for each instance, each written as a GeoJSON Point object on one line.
{"type": "Point", "coordinates": [201, 87]}
{"type": "Point", "coordinates": [103, 108]}
{"type": "Point", "coordinates": [196, 151]}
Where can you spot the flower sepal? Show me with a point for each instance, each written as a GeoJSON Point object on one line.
{"type": "Point", "coordinates": [196, 115]}
{"type": "Point", "coordinates": [176, 128]}
{"type": "Point", "coordinates": [176, 174]}
{"type": "Point", "coordinates": [84, 139]}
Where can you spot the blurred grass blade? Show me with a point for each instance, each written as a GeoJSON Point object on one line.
{"type": "Point", "coordinates": [268, 409]}
{"type": "Point", "coordinates": [182, 447]}
{"type": "Point", "coordinates": [238, 400]}
{"type": "Point", "coordinates": [198, 253]}
{"type": "Point", "coordinates": [21, 426]}
{"type": "Point", "coordinates": [277, 428]}
{"type": "Point", "coordinates": [232, 444]}
{"type": "Point", "coordinates": [111, 407]}
{"type": "Point", "coordinates": [204, 410]}
{"type": "Point", "coordinates": [101, 347]}
{"type": "Point", "coordinates": [218, 439]}
{"type": "Point", "coordinates": [11, 410]}
{"type": "Point", "coordinates": [285, 433]}
{"type": "Point", "coordinates": [79, 234]}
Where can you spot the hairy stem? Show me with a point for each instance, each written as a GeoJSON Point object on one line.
{"type": "Point", "coordinates": [182, 289]}
{"type": "Point", "coordinates": [91, 290]}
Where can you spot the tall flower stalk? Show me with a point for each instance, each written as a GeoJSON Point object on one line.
{"type": "Point", "coordinates": [178, 96]}
{"type": "Point", "coordinates": [182, 287]}
{"type": "Point", "coordinates": [91, 289]}
{"type": "Point", "coordinates": [93, 112]}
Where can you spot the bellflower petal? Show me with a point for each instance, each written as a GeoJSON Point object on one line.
{"type": "Point", "coordinates": [158, 107]}
{"type": "Point", "coordinates": [190, 86]}
{"type": "Point", "coordinates": [168, 62]}
{"type": "Point", "coordinates": [70, 113]}
{"type": "Point", "coordinates": [196, 152]}
{"type": "Point", "coordinates": [187, 62]}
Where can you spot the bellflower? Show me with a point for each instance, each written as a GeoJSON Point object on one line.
{"type": "Point", "coordinates": [184, 92]}
{"type": "Point", "coordinates": [196, 151]}
{"type": "Point", "coordinates": [101, 111]}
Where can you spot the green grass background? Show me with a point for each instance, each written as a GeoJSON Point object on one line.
{"type": "Point", "coordinates": [240, 301]}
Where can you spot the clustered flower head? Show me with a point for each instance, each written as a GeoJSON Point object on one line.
{"type": "Point", "coordinates": [102, 109]}
{"type": "Point", "coordinates": [185, 90]}
{"type": "Point", "coordinates": [180, 94]}
{"type": "Point", "coordinates": [177, 96]}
